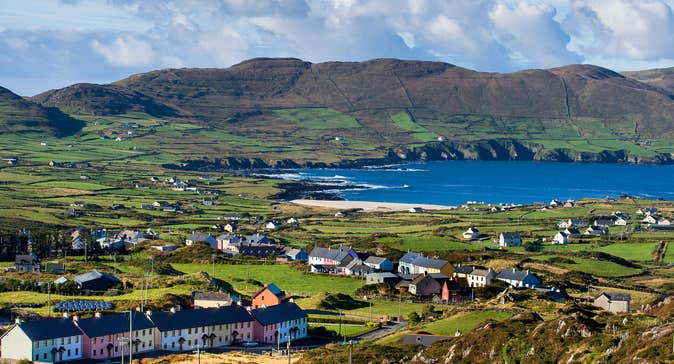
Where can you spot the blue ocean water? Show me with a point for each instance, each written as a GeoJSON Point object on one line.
{"type": "Point", "coordinates": [456, 182]}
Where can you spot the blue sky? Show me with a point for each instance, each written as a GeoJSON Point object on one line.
{"type": "Point", "coordinates": [53, 43]}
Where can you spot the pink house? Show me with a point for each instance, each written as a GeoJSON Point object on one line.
{"type": "Point", "coordinates": [277, 323]}
{"type": "Point", "coordinates": [107, 336]}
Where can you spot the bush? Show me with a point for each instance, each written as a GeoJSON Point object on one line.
{"type": "Point", "coordinates": [340, 301]}
{"type": "Point", "coordinates": [414, 318]}
{"type": "Point", "coordinates": [533, 246]}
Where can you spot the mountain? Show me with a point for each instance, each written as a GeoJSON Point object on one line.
{"type": "Point", "coordinates": [660, 77]}
{"type": "Point", "coordinates": [20, 115]}
{"type": "Point", "coordinates": [288, 112]}
{"type": "Point", "coordinates": [87, 98]}
{"type": "Point", "coordinates": [372, 86]}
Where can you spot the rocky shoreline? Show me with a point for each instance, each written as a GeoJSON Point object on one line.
{"type": "Point", "coordinates": [492, 150]}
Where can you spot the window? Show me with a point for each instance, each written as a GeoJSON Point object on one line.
{"type": "Point", "coordinates": [68, 352]}
{"type": "Point", "coordinates": [37, 357]}
{"type": "Point", "coordinates": [203, 329]}
{"type": "Point", "coordinates": [94, 340]}
{"type": "Point", "coordinates": [37, 344]}
{"type": "Point", "coordinates": [165, 333]}
{"type": "Point", "coordinates": [77, 339]}
{"type": "Point", "coordinates": [173, 345]}
{"type": "Point", "coordinates": [101, 351]}
{"type": "Point", "coordinates": [189, 331]}
{"type": "Point", "coordinates": [143, 332]}
{"type": "Point", "coordinates": [189, 342]}
{"type": "Point", "coordinates": [77, 351]}
{"type": "Point", "coordinates": [62, 341]}
{"type": "Point", "coordinates": [44, 356]}
{"type": "Point", "coordinates": [69, 339]}
{"type": "Point", "coordinates": [94, 352]}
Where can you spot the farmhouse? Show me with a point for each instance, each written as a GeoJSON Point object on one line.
{"type": "Point", "coordinates": [518, 278]}
{"type": "Point", "coordinates": [279, 323]}
{"type": "Point", "coordinates": [272, 225]}
{"type": "Point", "coordinates": [561, 238]}
{"type": "Point", "coordinates": [572, 223]}
{"type": "Point", "coordinates": [471, 233]}
{"type": "Point", "coordinates": [27, 263]}
{"type": "Point", "coordinates": [101, 334]}
{"type": "Point", "coordinates": [50, 341]}
{"type": "Point", "coordinates": [508, 239]}
{"type": "Point", "coordinates": [613, 302]}
{"type": "Point", "coordinates": [417, 263]}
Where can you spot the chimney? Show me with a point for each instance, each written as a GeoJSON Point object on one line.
{"type": "Point", "coordinates": [138, 309]}
{"type": "Point", "coordinates": [66, 315]}
{"type": "Point", "coordinates": [97, 315]}
{"type": "Point", "coordinates": [76, 318]}
{"type": "Point", "coordinates": [173, 310]}
{"type": "Point", "coordinates": [514, 270]}
{"type": "Point", "coordinates": [18, 320]}
{"type": "Point", "coordinates": [148, 313]}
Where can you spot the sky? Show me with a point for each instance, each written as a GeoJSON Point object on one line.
{"type": "Point", "coordinates": [46, 44]}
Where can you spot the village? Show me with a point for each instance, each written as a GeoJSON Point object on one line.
{"type": "Point", "coordinates": [95, 329]}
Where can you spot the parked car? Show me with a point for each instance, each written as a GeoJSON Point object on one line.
{"type": "Point", "coordinates": [249, 343]}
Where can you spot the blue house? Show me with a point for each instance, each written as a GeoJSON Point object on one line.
{"type": "Point", "coordinates": [50, 340]}
{"type": "Point", "coordinates": [297, 254]}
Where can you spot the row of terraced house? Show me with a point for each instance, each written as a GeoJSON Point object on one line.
{"type": "Point", "coordinates": [106, 336]}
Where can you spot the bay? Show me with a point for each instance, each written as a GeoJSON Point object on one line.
{"type": "Point", "coordinates": [456, 182]}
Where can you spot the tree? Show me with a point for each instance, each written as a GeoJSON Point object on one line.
{"type": "Point", "coordinates": [533, 246]}
{"type": "Point", "coordinates": [414, 318]}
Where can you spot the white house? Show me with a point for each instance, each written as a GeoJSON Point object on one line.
{"type": "Point", "coordinates": [664, 222]}
{"type": "Point", "coordinates": [292, 221]}
{"type": "Point", "coordinates": [507, 239]}
{"type": "Point", "coordinates": [480, 277]}
{"type": "Point", "coordinates": [271, 225]}
{"type": "Point", "coordinates": [649, 220]}
{"type": "Point", "coordinates": [201, 238]}
{"type": "Point", "coordinates": [561, 238]}
{"type": "Point", "coordinates": [471, 233]}
{"type": "Point", "coordinates": [620, 222]}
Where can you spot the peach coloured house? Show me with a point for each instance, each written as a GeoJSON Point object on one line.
{"type": "Point", "coordinates": [269, 296]}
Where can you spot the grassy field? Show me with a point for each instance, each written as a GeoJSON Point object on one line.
{"type": "Point", "coordinates": [462, 322]}
{"type": "Point", "coordinates": [293, 281]}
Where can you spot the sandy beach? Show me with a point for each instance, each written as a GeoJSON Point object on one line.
{"type": "Point", "coordinates": [367, 205]}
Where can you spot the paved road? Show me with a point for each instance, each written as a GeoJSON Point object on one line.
{"type": "Point", "coordinates": [383, 331]}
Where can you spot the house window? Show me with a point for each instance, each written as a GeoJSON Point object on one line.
{"type": "Point", "coordinates": [44, 356]}
{"type": "Point", "coordinates": [94, 340]}
{"type": "Point", "coordinates": [37, 357]}
{"type": "Point", "coordinates": [101, 352]}
{"type": "Point", "coordinates": [165, 333]}
{"type": "Point", "coordinates": [94, 352]}
{"type": "Point", "coordinates": [189, 342]}
{"type": "Point", "coordinates": [173, 345]}
{"type": "Point", "coordinates": [189, 331]}
{"type": "Point", "coordinates": [77, 339]}
{"type": "Point", "coordinates": [77, 351]}
{"type": "Point", "coordinates": [69, 339]}
{"type": "Point", "coordinates": [68, 352]}
{"type": "Point", "coordinates": [37, 344]}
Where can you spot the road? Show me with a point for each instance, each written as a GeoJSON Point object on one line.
{"type": "Point", "coordinates": [383, 331]}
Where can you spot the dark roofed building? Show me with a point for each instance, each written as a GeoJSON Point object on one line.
{"type": "Point", "coordinates": [280, 322]}
{"type": "Point", "coordinates": [27, 263]}
{"type": "Point", "coordinates": [212, 299]}
{"type": "Point", "coordinates": [43, 340]}
{"type": "Point", "coordinates": [519, 278]}
{"type": "Point", "coordinates": [96, 281]}
{"type": "Point", "coordinates": [613, 302]}
{"type": "Point", "coordinates": [99, 330]}
{"type": "Point", "coordinates": [417, 263]}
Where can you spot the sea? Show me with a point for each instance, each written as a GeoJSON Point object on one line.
{"type": "Point", "coordinates": [459, 182]}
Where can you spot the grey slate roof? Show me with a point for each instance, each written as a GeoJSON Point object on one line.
{"type": "Point", "coordinates": [373, 259]}
{"type": "Point", "coordinates": [464, 269]}
{"type": "Point", "coordinates": [165, 321]}
{"type": "Point", "coordinates": [113, 324]}
{"type": "Point", "coordinates": [49, 329]}
{"type": "Point", "coordinates": [481, 272]}
{"type": "Point", "coordinates": [199, 237]}
{"type": "Point", "coordinates": [94, 274]}
{"type": "Point", "coordinates": [513, 274]}
{"type": "Point", "coordinates": [617, 296]}
{"type": "Point", "coordinates": [422, 261]}
{"type": "Point", "coordinates": [283, 312]}
{"type": "Point", "coordinates": [27, 259]}
{"type": "Point", "coordinates": [329, 253]}
{"type": "Point", "coordinates": [511, 235]}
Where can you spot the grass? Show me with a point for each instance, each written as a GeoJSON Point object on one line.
{"type": "Point", "coordinates": [293, 281]}
{"type": "Point", "coordinates": [317, 118]}
{"type": "Point", "coordinates": [463, 322]}
{"type": "Point", "coordinates": [403, 121]}
{"type": "Point", "coordinates": [348, 330]}
{"type": "Point", "coordinates": [596, 267]}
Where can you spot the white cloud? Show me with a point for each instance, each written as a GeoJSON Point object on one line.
{"type": "Point", "coordinates": [625, 29]}
{"type": "Point", "coordinates": [132, 36]}
{"type": "Point", "coordinates": [126, 52]}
